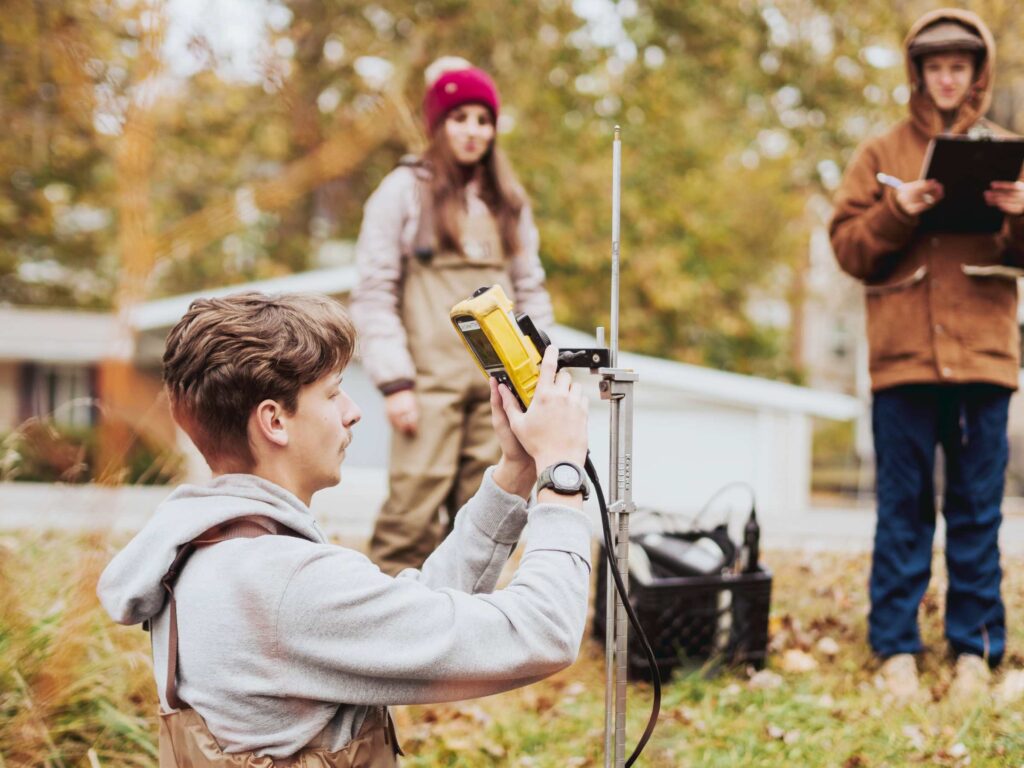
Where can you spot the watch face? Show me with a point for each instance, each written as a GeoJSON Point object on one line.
{"type": "Point", "coordinates": [566, 476]}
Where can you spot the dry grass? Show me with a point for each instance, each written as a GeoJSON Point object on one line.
{"type": "Point", "coordinates": [71, 682]}
{"type": "Point", "coordinates": [76, 689]}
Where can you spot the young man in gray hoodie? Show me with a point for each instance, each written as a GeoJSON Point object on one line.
{"type": "Point", "coordinates": [284, 645]}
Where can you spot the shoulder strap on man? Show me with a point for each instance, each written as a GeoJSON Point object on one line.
{"type": "Point", "coordinates": [239, 528]}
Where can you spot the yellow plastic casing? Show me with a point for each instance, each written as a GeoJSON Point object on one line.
{"type": "Point", "coordinates": [516, 361]}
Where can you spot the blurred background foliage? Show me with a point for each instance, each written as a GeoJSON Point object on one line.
{"type": "Point", "coordinates": [43, 451]}
{"type": "Point", "coordinates": [152, 148]}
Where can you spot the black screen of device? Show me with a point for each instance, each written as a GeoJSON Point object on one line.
{"type": "Point", "coordinates": [481, 346]}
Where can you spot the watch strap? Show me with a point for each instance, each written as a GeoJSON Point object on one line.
{"type": "Point", "coordinates": [546, 480]}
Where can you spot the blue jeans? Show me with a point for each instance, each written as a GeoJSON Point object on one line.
{"type": "Point", "coordinates": [969, 422]}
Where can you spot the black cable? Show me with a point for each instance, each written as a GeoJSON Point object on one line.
{"type": "Point", "coordinates": [720, 492]}
{"type": "Point", "coordinates": [613, 569]}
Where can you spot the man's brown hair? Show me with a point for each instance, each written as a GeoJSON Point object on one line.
{"type": "Point", "coordinates": [227, 355]}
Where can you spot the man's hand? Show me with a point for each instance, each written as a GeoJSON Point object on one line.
{"type": "Point", "coordinates": [554, 427]}
{"type": "Point", "coordinates": [916, 197]}
{"type": "Point", "coordinates": [403, 411]}
{"type": "Point", "coordinates": [515, 472]}
{"type": "Point", "coordinates": [1007, 196]}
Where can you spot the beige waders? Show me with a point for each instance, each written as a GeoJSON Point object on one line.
{"type": "Point", "coordinates": [441, 467]}
{"type": "Point", "coordinates": [186, 742]}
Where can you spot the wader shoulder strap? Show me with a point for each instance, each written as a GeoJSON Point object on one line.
{"type": "Point", "coordinates": [423, 244]}
{"type": "Point", "coordinates": [239, 528]}
{"type": "Point", "coordinates": [423, 240]}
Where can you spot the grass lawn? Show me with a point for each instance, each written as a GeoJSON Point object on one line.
{"type": "Point", "coordinates": [75, 689]}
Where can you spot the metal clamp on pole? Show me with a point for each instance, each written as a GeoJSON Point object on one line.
{"type": "Point", "coordinates": [617, 387]}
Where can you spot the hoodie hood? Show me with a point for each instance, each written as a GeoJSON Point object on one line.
{"type": "Point", "coordinates": [130, 588]}
{"type": "Point", "coordinates": [923, 112]}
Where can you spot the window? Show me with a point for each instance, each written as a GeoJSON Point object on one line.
{"type": "Point", "coordinates": [64, 393]}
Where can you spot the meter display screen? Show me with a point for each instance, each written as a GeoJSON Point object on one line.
{"type": "Point", "coordinates": [480, 344]}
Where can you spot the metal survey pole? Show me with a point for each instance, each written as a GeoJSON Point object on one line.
{"type": "Point", "coordinates": [617, 388]}
{"type": "Point", "coordinates": [616, 206]}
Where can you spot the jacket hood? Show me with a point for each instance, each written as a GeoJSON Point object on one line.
{"type": "Point", "coordinates": [923, 112]}
{"type": "Point", "coordinates": [130, 588]}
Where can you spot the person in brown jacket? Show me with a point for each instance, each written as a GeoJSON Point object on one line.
{"type": "Point", "coordinates": [943, 354]}
{"type": "Point", "coordinates": [436, 229]}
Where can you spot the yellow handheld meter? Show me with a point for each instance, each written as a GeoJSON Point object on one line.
{"type": "Point", "coordinates": [491, 331]}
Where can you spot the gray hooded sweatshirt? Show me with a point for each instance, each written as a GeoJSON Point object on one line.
{"type": "Point", "coordinates": [282, 638]}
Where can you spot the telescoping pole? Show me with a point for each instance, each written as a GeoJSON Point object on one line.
{"type": "Point", "coordinates": [611, 598]}
{"type": "Point", "coordinates": [616, 204]}
{"type": "Point", "coordinates": [617, 388]}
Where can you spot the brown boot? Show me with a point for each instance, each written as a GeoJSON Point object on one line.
{"type": "Point", "coordinates": [898, 676]}
{"type": "Point", "coordinates": [970, 679]}
{"type": "Point", "coordinates": [1011, 689]}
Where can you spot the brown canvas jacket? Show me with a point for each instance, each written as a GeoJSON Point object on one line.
{"type": "Point", "coordinates": [937, 311]}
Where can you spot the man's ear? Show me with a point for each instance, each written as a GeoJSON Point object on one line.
{"type": "Point", "coordinates": [268, 422]}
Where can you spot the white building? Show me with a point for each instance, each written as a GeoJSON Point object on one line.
{"type": "Point", "coordinates": [696, 429]}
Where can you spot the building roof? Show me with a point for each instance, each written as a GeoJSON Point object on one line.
{"type": "Point", "coordinates": [712, 386]}
{"type": "Point", "coordinates": [691, 381]}
{"type": "Point", "coordinates": [68, 336]}
{"type": "Point", "coordinates": [61, 336]}
{"type": "Point", "coordinates": [163, 313]}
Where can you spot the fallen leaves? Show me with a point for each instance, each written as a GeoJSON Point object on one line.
{"type": "Point", "coordinates": [765, 680]}
{"type": "Point", "coordinates": [914, 735]}
{"type": "Point", "coordinates": [798, 662]}
{"type": "Point", "coordinates": [689, 718]}
{"type": "Point", "coordinates": [790, 713]}
{"type": "Point", "coordinates": [827, 647]}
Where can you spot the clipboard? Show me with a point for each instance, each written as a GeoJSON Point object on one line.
{"type": "Point", "coordinates": [966, 167]}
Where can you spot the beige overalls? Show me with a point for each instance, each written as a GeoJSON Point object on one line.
{"type": "Point", "coordinates": [185, 740]}
{"type": "Point", "coordinates": [442, 466]}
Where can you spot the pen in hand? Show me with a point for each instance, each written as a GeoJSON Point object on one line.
{"type": "Point", "coordinates": [889, 181]}
{"type": "Point", "coordinates": [892, 181]}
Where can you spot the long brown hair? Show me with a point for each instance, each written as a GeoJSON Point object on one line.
{"type": "Point", "coordinates": [499, 189]}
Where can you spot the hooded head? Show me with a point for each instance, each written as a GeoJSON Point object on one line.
{"type": "Point", "coordinates": [949, 30]}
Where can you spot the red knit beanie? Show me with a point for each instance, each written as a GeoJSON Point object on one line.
{"type": "Point", "coordinates": [458, 87]}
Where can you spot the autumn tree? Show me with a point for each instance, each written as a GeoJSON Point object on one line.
{"type": "Point", "coordinates": [738, 118]}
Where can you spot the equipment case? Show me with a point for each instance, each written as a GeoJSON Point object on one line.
{"type": "Point", "coordinates": [721, 619]}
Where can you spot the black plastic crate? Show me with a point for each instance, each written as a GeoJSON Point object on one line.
{"type": "Point", "coordinates": [693, 620]}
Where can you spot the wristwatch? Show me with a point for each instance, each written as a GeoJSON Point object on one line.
{"type": "Point", "coordinates": [564, 478]}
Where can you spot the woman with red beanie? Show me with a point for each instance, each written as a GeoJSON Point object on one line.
{"type": "Point", "coordinates": [436, 229]}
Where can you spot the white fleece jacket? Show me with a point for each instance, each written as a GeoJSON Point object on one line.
{"type": "Point", "coordinates": [281, 638]}
{"type": "Point", "coordinates": [386, 240]}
